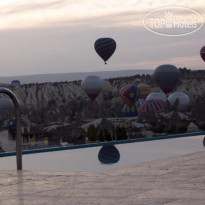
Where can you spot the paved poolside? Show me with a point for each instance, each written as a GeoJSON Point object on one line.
{"type": "Point", "coordinates": [175, 180]}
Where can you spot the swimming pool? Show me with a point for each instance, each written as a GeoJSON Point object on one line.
{"type": "Point", "coordinates": [87, 159]}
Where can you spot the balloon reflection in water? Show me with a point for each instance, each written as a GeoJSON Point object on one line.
{"type": "Point", "coordinates": [108, 154]}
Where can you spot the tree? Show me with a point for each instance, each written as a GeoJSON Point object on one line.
{"type": "Point", "coordinates": [100, 136]}
{"type": "Point", "coordinates": [108, 136]}
{"type": "Point", "coordinates": [121, 133]}
{"type": "Point", "coordinates": [91, 133]}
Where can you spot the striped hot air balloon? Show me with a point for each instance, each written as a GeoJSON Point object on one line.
{"type": "Point", "coordinates": [202, 53]}
{"type": "Point", "coordinates": [140, 102]}
{"type": "Point", "coordinates": [130, 111]}
{"type": "Point", "coordinates": [144, 90]}
{"type": "Point", "coordinates": [152, 105]}
{"type": "Point", "coordinates": [129, 94]}
{"type": "Point", "coordinates": [106, 90]}
{"type": "Point", "coordinates": [105, 47]}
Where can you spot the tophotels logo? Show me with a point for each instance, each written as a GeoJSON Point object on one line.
{"type": "Point", "coordinates": [173, 21]}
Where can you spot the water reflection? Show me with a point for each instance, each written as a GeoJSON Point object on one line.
{"type": "Point", "coordinates": [108, 154]}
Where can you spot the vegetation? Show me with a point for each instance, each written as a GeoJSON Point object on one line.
{"type": "Point", "coordinates": [121, 133]}
{"type": "Point", "coordinates": [91, 133]}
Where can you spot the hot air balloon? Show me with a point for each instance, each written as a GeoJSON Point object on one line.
{"type": "Point", "coordinates": [139, 102]}
{"type": "Point", "coordinates": [144, 90]}
{"type": "Point", "coordinates": [184, 101]}
{"type": "Point", "coordinates": [129, 94]}
{"type": "Point", "coordinates": [157, 95]}
{"type": "Point", "coordinates": [108, 154]}
{"type": "Point", "coordinates": [167, 77]}
{"type": "Point", "coordinates": [6, 103]}
{"type": "Point", "coordinates": [130, 111]}
{"type": "Point", "coordinates": [92, 85]}
{"type": "Point", "coordinates": [15, 82]}
{"type": "Point", "coordinates": [152, 105]}
{"type": "Point", "coordinates": [202, 53]}
{"type": "Point", "coordinates": [107, 88]}
{"type": "Point", "coordinates": [105, 47]}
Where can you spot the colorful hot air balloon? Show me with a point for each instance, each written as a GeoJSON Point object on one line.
{"type": "Point", "coordinates": [130, 110]}
{"type": "Point", "coordinates": [92, 85]}
{"type": "Point", "coordinates": [157, 95]}
{"type": "Point", "coordinates": [108, 154]}
{"type": "Point", "coordinates": [184, 101]}
{"type": "Point", "coordinates": [152, 105]}
{"type": "Point", "coordinates": [105, 47]}
{"type": "Point", "coordinates": [129, 94]}
{"type": "Point", "coordinates": [167, 77]}
{"type": "Point", "coordinates": [144, 90]}
{"type": "Point", "coordinates": [202, 53]}
{"type": "Point", "coordinates": [107, 88]}
{"type": "Point", "coordinates": [139, 102]}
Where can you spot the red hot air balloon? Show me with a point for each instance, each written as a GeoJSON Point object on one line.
{"type": "Point", "coordinates": [92, 85]}
{"type": "Point", "coordinates": [152, 105]}
{"type": "Point", "coordinates": [202, 53]}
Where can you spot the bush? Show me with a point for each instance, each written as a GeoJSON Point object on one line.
{"type": "Point", "coordinates": [101, 137]}
{"type": "Point", "coordinates": [181, 127]}
{"type": "Point", "coordinates": [91, 133]}
{"type": "Point", "coordinates": [108, 137]}
{"type": "Point", "coordinates": [159, 128]}
{"type": "Point", "coordinates": [121, 133]}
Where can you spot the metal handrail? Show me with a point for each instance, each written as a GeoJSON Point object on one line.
{"type": "Point", "coordinates": [18, 126]}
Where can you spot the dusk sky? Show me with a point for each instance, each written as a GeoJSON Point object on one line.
{"type": "Point", "coordinates": [50, 36]}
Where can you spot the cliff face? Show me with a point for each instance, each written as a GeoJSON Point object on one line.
{"type": "Point", "coordinates": [61, 102]}
{"type": "Point", "coordinates": [66, 102]}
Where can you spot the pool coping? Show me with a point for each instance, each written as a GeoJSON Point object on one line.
{"type": "Point", "coordinates": [52, 149]}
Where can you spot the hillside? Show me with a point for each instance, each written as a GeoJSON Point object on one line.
{"type": "Point", "coordinates": [67, 102]}
{"type": "Point", "coordinates": [62, 77]}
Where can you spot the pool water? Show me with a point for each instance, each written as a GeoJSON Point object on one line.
{"type": "Point", "coordinates": [86, 159]}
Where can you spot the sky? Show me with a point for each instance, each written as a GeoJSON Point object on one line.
{"type": "Point", "coordinates": [53, 36]}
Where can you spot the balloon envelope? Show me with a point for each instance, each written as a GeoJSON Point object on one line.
{"type": "Point", "coordinates": [129, 94]}
{"type": "Point", "coordinates": [139, 102]}
{"type": "Point", "coordinates": [92, 85]}
{"type": "Point", "coordinates": [106, 90]}
{"type": "Point", "coordinates": [167, 77]}
{"type": "Point", "coordinates": [15, 82]}
{"type": "Point", "coordinates": [130, 111]}
{"type": "Point", "coordinates": [105, 47]}
{"type": "Point", "coordinates": [144, 90]}
{"type": "Point", "coordinates": [184, 101]}
{"type": "Point", "coordinates": [157, 95]}
{"type": "Point", "coordinates": [202, 53]}
{"type": "Point", "coordinates": [108, 154]}
{"type": "Point", "coordinates": [6, 103]}
{"type": "Point", "coordinates": [152, 105]}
